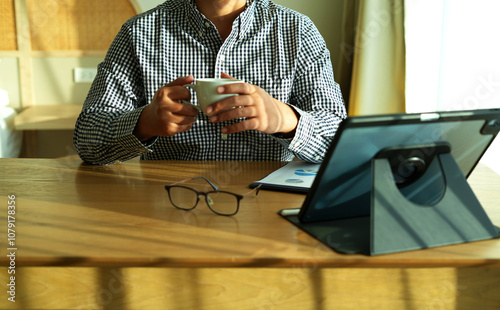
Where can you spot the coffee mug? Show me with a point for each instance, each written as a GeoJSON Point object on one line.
{"type": "Point", "coordinates": [206, 90]}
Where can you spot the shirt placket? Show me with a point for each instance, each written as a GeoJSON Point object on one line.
{"type": "Point", "coordinates": [223, 55]}
{"type": "Point", "coordinates": [210, 37]}
{"type": "Point", "coordinates": [223, 64]}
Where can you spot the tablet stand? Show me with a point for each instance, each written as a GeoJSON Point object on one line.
{"type": "Point", "coordinates": [397, 223]}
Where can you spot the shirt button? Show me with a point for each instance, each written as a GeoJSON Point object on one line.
{"type": "Point", "coordinates": [222, 57]}
{"type": "Point", "coordinates": [207, 24]}
{"type": "Point", "coordinates": [200, 34]}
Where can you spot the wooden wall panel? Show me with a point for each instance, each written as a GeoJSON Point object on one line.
{"type": "Point", "coordinates": [254, 288]}
{"type": "Point", "coordinates": [8, 40]}
{"type": "Point", "coordinates": [76, 25]}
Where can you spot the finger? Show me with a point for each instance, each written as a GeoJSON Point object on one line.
{"type": "Point", "coordinates": [235, 113]}
{"type": "Point", "coordinates": [241, 126]}
{"type": "Point", "coordinates": [237, 88]}
{"type": "Point", "coordinates": [182, 120]}
{"type": "Point", "coordinates": [173, 93]}
{"type": "Point", "coordinates": [224, 75]}
{"type": "Point", "coordinates": [184, 128]}
{"type": "Point", "coordinates": [228, 104]}
{"type": "Point", "coordinates": [188, 109]}
{"type": "Point", "coordinates": [173, 129]}
{"type": "Point", "coordinates": [181, 81]}
{"type": "Point", "coordinates": [185, 109]}
{"type": "Point", "coordinates": [168, 117]}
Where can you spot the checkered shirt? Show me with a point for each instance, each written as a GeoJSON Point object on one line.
{"type": "Point", "coordinates": [271, 46]}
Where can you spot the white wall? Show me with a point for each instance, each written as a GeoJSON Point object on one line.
{"type": "Point", "coordinates": [148, 4]}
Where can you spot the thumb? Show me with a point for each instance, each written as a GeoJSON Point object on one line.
{"type": "Point", "coordinates": [181, 81]}
{"type": "Point", "coordinates": [224, 75]}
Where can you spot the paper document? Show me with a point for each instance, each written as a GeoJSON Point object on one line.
{"type": "Point", "coordinates": [296, 176]}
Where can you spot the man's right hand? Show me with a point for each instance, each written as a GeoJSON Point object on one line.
{"type": "Point", "coordinates": [166, 115]}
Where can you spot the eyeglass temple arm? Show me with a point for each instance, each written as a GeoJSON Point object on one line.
{"type": "Point", "coordinates": [255, 189]}
{"type": "Point", "coordinates": [211, 184]}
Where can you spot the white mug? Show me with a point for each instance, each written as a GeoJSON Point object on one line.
{"type": "Point", "coordinates": [206, 90]}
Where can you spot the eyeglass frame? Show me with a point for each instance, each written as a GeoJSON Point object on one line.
{"type": "Point", "coordinates": [238, 197]}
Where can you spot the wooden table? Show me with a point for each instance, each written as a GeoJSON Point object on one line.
{"type": "Point", "coordinates": [106, 237]}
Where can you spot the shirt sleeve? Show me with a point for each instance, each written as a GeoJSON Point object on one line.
{"type": "Point", "coordinates": [104, 130]}
{"type": "Point", "coordinates": [316, 97]}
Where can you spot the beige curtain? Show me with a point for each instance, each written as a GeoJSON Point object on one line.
{"type": "Point", "coordinates": [372, 63]}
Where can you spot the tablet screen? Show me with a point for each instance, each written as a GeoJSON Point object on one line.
{"type": "Point", "coordinates": [343, 185]}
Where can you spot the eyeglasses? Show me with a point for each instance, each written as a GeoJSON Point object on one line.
{"type": "Point", "coordinates": [220, 202]}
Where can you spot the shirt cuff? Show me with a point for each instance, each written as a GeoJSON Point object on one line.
{"type": "Point", "coordinates": [300, 144]}
{"type": "Point", "coordinates": [125, 136]}
{"type": "Point", "coordinates": [304, 128]}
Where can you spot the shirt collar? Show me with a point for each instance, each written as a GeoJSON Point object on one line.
{"type": "Point", "coordinates": [194, 21]}
{"type": "Point", "coordinates": [246, 18]}
{"type": "Point", "coordinates": [198, 22]}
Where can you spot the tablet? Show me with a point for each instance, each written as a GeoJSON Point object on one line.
{"type": "Point", "coordinates": [342, 187]}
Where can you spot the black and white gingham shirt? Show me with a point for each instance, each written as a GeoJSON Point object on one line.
{"type": "Point", "coordinates": [270, 46]}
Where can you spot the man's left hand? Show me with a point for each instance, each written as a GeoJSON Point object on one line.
{"type": "Point", "coordinates": [262, 112]}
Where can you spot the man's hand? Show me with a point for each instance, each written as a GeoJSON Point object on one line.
{"type": "Point", "coordinates": [262, 112]}
{"type": "Point", "coordinates": [166, 115]}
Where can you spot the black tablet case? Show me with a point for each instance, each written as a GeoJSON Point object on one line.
{"type": "Point", "coordinates": [394, 183]}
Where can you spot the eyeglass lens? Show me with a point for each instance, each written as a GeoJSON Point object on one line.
{"type": "Point", "coordinates": [182, 197]}
{"type": "Point", "coordinates": [220, 202]}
